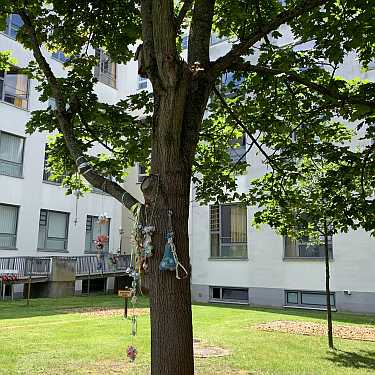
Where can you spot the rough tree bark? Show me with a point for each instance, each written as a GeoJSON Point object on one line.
{"type": "Point", "coordinates": [178, 113]}
{"type": "Point", "coordinates": [328, 289]}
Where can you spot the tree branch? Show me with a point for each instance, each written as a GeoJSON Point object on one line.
{"type": "Point", "coordinates": [294, 77]}
{"type": "Point", "coordinates": [200, 32]}
{"type": "Point", "coordinates": [240, 49]}
{"type": "Point", "coordinates": [186, 6]}
{"type": "Point", "coordinates": [244, 128]}
{"type": "Point", "coordinates": [147, 49]}
{"type": "Point", "coordinates": [64, 118]}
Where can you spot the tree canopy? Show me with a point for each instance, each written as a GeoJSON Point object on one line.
{"type": "Point", "coordinates": [285, 60]}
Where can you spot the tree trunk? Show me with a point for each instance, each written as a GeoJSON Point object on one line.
{"type": "Point", "coordinates": [170, 298]}
{"type": "Point", "coordinates": [328, 290]}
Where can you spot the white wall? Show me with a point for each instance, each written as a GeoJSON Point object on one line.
{"type": "Point", "coordinates": [30, 193]}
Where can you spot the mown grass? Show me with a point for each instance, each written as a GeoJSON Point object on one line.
{"type": "Point", "coordinates": [50, 337]}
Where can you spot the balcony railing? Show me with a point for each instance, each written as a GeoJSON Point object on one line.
{"type": "Point", "coordinates": [92, 264]}
{"type": "Point", "coordinates": [25, 266]}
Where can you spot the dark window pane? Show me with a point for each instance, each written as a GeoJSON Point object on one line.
{"type": "Point", "coordinates": [216, 293]}
{"type": "Point", "coordinates": [318, 299]}
{"type": "Point", "coordinates": [235, 294]}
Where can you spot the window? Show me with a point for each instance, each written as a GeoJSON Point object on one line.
{"type": "Point", "coordinates": [105, 72]}
{"type": "Point", "coordinates": [215, 39]}
{"type": "Point", "coordinates": [59, 56]}
{"type": "Point", "coordinates": [237, 153]}
{"type": "Point", "coordinates": [14, 88]}
{"type": "Point", "coordinates": [8, 226]}
{"type": "Point", "coordinates": [52, 104]}
{"type": "Point", "coordinates": [228, 227]}
{"type": "Point", "coordinates": [93, 230]}
{"type": "Point", "coordinates": [13, 24]}
{"type": "Point", "coordinates": [141, 173]}
{"type": "Point", "coordinates": [308, 298]}
{"type": "Point", "coordinates": [371, 65]}
{"type": "Point", "coordinates": [11, 154]}
{"type": "Point", "coordinates": [142, 82]}
{"type": "Point", "coordinates": [229, 294]}
{"type": "Point", "coordinates": [229, 84]}
{"type": "Point", "coordinates": [47, 175]}
{"type": "Point", "coordinates": [53, 230]}
{"type": "Point", "coordinates": [303, 248]}
{"type": "Point", "coordinates": [185, 42]}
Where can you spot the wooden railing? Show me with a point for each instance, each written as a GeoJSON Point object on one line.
{"type": "Point", "coordinates": [26, 266]}
{"type": "Point", "coordinates": [92, 264]}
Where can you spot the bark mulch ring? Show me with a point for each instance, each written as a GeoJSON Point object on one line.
{"type": "Point", "coordinates": [202, 350]}
{"type": "Point", "coordinates": [100, 311]}
{"type": "Point", "coordinates": [317, 329]}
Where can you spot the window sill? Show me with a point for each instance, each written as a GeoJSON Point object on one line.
{"type": "Point", "coordinates": [14, 106]}
{"type": "Point", "coordinates": [8, 248]}
{"type": "Point", "coordinates": [317, 308]}
{"type": "Point", "coordinates": [301, 259]}
{"type": "Point", "coordinates": [10, 175]}
{"type": "Point", "coordinates": [228, 258]}
{"type": "Point", "coordinates": [52, 251]}
{"type": "Point", "coordinates": [228, 302]}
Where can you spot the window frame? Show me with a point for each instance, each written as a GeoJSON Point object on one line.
{"type": "Point", "coordinates": [222, 300]}
{"type": "Point", "coordinates": [47, 174]}
{"type": "Point", "coordinates": [66, 239]}
{"type": "Point", "coordinates": [302, 305]}
{"type": "Point", "coordinates": [16, 232]}
{"type": "Point", "coordinates": [109, 79]}
{"type": "Point", "coordinates": [8, 23]}
{"type": "Point", "coordinates": [140, 176]}
{"type": "Point", "coordinates": [236, 153]}
{"type": "Point", "coordinates": [2, 93]}
{"type": "Point", "coordinates": [92, 248]}
{"type": "Point", "coordinates": [59, 56]}
{"type": "Point", "coordinates": [11, 162]}
{"type": "Point", "coordinates": [300, 242]}
{"type": "Point", "coordinates": [220, 231]}
{"type": "Point", "coordinates": [142, 83]}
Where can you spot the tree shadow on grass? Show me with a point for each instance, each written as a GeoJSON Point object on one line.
{"type": "Point", "coordinates": [362, 359]}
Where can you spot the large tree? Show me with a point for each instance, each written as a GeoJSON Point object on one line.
{"type": "Point", "coordinates": [171, 129]}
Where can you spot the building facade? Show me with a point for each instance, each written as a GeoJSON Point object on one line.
{"type": "Point", "coordinates": [232, 262]}
{"type": "Point", "coordinates": [37, 218]}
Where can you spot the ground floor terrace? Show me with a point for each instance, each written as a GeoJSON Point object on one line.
{"type": "Point", "coordinates": [36, 277]}
{"type": "Point", "coordinates": [89, 335]}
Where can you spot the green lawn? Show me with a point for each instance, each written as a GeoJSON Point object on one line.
{"type": "Point", "coordinates": [51, 338]}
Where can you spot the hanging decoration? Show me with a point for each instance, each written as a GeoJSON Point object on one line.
{"type": "Point", "coordinates": [77, 194]}
{"type": "Point", "coordinates": [131, 353]}
{"type": "Point", "coordinates": [170, 260]}
{"type": "Point", "coordinates": [147, 246]}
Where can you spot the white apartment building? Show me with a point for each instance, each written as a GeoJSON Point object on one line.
{"type": "Point", "coordinates": [232, 262]}
{"type": "Point", "coordinates": [37, 218]}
